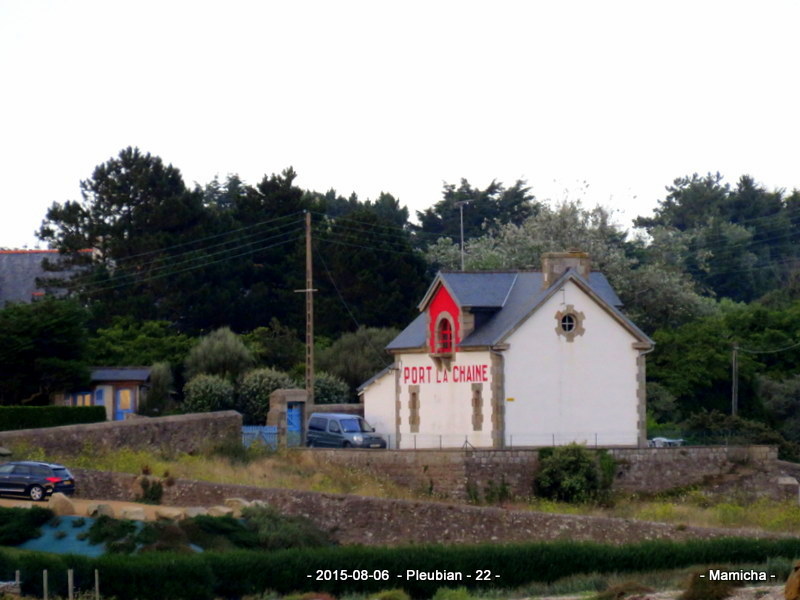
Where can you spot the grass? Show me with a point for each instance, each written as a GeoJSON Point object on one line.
{"type": "Point", "coordinates": [287, 469]}
{"type": "Point", "coordinates": [282, 469]}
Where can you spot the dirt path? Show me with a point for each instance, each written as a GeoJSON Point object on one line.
{"type": "Point", "coordinates": [82, 503]}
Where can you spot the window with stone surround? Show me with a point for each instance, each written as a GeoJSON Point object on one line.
{"type": "Point", "coordinates": [413, 408]}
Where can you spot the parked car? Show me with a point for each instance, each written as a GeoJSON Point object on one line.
{"type": "Point", "coordinates": [662, 442]}
{"type": "Point", "coordinates": [35, 480]}
{"type": "Point", "coordinates": [338, 430]}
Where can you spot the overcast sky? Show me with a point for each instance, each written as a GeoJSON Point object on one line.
{"type": "Point", "coordinates": [399, 96]}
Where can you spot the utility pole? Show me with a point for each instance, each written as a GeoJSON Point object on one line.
{"type": "Point", "coordinates": [309, 292]}
{"type": "Point", "coordinates": [460, 204]}
{"type": "Point", "coordinates": [735, 380]}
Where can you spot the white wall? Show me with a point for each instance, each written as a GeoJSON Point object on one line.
{"type": "Point", "coordinates": [379, 407]}
{"type": "Point", "coordinates": [576, 390]}
{"type": "Point", "coordinates": [445, 407]}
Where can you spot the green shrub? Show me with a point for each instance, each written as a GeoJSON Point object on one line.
{"type": "Point", "coordinates": [329, 389]}
{"type": "Point", "coordinates": [237, 573]}
{"type": "Point", "coordinates": [205, 393]}
{"type": "Point", "coordinates": [221, 353]}
{"type": "Point", "coordinates": [35, 417]}
{"type": "Point", "coordinates": [106, 530]}
{"type": "Point", "coordinates": [152, 491]}
{"type": "Point", "coordinates": [276, 531]}
{"type": "Point", "coordinates": [572, 473]}
{"type": "Point", "coordinates": [18, 525]}
{"type": "Point", "coordinates": [218, 533]}
{"type": "Point", "coordinates": [254, 390]}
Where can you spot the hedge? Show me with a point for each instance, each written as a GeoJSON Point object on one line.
{"type": "Point", "coordinates": [35, 417]}
{"type": "Point", "coordinates": [234, 574]}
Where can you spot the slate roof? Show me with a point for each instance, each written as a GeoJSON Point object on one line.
{"type": "Point", "coordinates": [513, 295]}
{"type": "Point", "coordinates": [18, 272]}
{"type": "Point", "coordinates": [106, 374]}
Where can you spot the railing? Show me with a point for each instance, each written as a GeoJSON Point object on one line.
{"type": "Point", "coordinates": [266, 435]}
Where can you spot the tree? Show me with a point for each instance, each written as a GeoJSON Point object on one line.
{"type": "Point", "coordinates": [356, 356]}
{"type": "Point", "coordinates": [275, 346]}
{"type": "Point", "coordinates": [495, 205]}
{"type": "Point", "coordinates": [42, 350]}
{"type": "Point", "coordinates": [655, 293]}
{"type": "Point", "coordinates": [159, 395]}
{"type": "Point", "coordinates": [741, 241]}
{"type": "Point", "coordinates": [145, 230]}
{"type": "Point", "coordinates": [220, 353]}
{"type": "Point", "coordinates": [368, 274]}
{"type": "Point", "coordinates": [130, 342]}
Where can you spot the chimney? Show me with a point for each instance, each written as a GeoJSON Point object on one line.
{"type": "Point", "coordinates": [555, 264]}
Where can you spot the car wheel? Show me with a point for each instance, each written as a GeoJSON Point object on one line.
{"type": "Point", "coordinates": [347, 445]}
{"type": "Point", "coordinates": [310, 443]}
{"type": "Point", "coordinates": [36, 493]}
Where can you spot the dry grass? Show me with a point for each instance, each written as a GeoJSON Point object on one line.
{"type": "Point", "coordinates": [283, 469]}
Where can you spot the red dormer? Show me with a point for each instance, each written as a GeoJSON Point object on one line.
{"type": "Point", "coordinates": [444, 332]}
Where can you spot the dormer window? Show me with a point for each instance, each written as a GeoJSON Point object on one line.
{"type": "Point", "coordinates": [444, 337]}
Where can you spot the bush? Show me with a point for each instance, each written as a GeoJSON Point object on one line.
{"type": "Point", "coordinates": [220, 353]}
{"type": "Point", "coordinates": [358, 355]}
{"type": "Point", "coordinates": [573, 474]}
{"type": "Point", "coordinates": [254, 391]}
{"type": "Point", "coordinates": [277, 532]}
{"type": "Point", "coordinates": [329, 389]}
{"type": "Point", "coordinates": [159, 394]}
{"type": "Point", "coordinates": [18, 525]}
{"type": "Point", "coordinates": [35, 417]}
{"type": "Point", "coordinates": [207, 393]}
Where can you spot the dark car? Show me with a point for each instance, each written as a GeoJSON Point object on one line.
{"type": "Point", "coordinates": [341, 430]}
{"type": "Point", "coordinates": [35, 480]}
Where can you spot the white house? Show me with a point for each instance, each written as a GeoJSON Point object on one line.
{"type": "Point", "coordinates": [510, 359]}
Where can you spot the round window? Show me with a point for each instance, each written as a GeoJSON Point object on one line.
{"type": "Point", "coordinates": [568, 323]}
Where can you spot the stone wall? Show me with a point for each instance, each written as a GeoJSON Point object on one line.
{"type": "Point", "coordinates": [460, 475]}
{"type": "Point", "coordinates": [381, 521]}
{"type": "Point", "coordinates": [170, 435]}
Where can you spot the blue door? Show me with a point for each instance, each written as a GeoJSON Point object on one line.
{"type": "Point", "coordinates": [294, 423]}
{"type": "Point", "coordinates": [123, 403]}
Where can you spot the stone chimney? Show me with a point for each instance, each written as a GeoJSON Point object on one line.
{"type": "Point", "coordinates": [554, 264]}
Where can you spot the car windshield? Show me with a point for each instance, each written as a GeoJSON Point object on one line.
{"type": "Point", "coordinates": [355, 425]}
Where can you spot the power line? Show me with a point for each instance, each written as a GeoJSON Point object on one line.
{"type": "Point", "coordinates": [187, 256]}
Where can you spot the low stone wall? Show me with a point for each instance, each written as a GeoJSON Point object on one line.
{"type": "Point", "coordinates": [474, 474]}
{"type": "Point", "coordinates": [171, 435]}
{"type": "Point", "coordinates": [660, 469]}
{"type": "Point", "coordinates": [379, 521]}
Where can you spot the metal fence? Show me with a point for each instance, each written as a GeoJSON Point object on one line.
{"type": "Point", "coordinates": [266, 435]}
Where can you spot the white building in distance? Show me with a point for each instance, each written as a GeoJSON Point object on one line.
{"type": "Point", "coordinates": [515, 359]}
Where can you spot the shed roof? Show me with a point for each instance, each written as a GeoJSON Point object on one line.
{"type": "Point", "coordinates": [105, 374]}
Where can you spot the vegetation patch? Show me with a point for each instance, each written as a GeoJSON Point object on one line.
{"type": "Point", "coordinates": [17, 525]}
{"type": "Point", "coordinates": [572, 473]}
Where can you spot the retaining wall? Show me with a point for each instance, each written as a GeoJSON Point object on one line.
{"type": "Point", "coordinates": [474, 474]}
{"type": "Point", "coordinates": [380, 521]}
{"type": "Point", "coordinates": [171, 435]}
